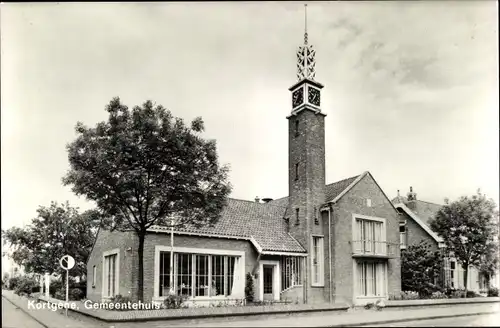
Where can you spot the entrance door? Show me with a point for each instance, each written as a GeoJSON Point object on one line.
{"type": "Point", "coordinates": [268, 275]}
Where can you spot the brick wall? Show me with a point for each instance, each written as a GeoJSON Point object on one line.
{"type": "Point", "coordinates": [416, 234]}
{"type": "Point", "coordinates": [307, 192]}
{"type": "Point", "coordinates": [293, 294]}
{"type": "Point", "coordinates": [107, 241]}
{"type": "Point", "coordinates": [355, 202]}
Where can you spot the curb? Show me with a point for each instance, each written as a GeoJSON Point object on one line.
{"type": "Point", "coordinates": [206, 316]}
{"type": "Point", "coordinates": [24, 311]}
{"type": "Point", "coordinates": [381, 322]}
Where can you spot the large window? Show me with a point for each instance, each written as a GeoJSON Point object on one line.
{"type": "Point", "coordinates": [371, 278]}
{"type": "Point", "coordinates": [291, 272]}
{"type": "Point", "coordinates": [370, 237]}
{"type": "Point", "coordinates": [317, 261]}
{"type": "Point", "coordinates": [452, 273]}
{"type": "Point", "coordinates": [198, 275]}
{"type": "Point", "coordinates": [110, 273]}
{"type": "Point", "coordinates": [402, 235]}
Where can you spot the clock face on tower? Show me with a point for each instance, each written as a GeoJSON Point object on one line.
{"type": "Point", "coordinates": [297, 97]}
{"type": "Point", "coordinates": [313, 96]}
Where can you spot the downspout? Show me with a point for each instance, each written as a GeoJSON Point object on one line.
{"type": "Point", "coordinates": [171, 282]}
{"type": "Point", "coordinates": [330, 250]}
{"type": "Point", "coordinates": [256, 263]}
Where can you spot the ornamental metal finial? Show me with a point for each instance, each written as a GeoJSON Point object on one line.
{"type": "Point", "coordinates": [305, 24]}
{"type": "Point", "coordinates": [305, 56]}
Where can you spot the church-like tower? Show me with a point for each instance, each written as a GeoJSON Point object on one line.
{"type": "Point", "coordinates": [306, 154]}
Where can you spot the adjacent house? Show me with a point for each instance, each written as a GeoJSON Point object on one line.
{"type": "Point", "coordinates": [322, 243]}
{"type": "Point", "coordinates": [414, 228]}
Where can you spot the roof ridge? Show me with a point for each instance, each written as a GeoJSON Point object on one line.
{"type": "Point", "coordinates": [262, 204]}
{"type": "Point", "coordinates": [279, 198]}
{"type": "Point", "coordinates": [424, 201]}
{"type": "Point", "coordinates": [353, 177]}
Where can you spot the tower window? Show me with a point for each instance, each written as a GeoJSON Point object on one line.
{"type": "Point", "coordinates": [296, 128]}
{"type": "Point", "coordinates": [297, 222]}
{"type": "Point", "coordinates": [316, 220]}
{"type": "Point", "coordinates": [297, 171]}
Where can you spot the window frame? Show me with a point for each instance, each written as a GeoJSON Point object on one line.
{"type": "Point", "coordinates": [359, 247]}
{"type": "Point", "coordinates": [291, 266]}
{"type": "Point", "coordinates": [94, 274]}
{"type": "Point", "coordinates": [238, 277]}
{"type": "Point", "coordinates": [403, 236]}
{"type": "Point", "coordinates": [379, 280]}
{"type": "Point", "coordinates": [320, 265]}
{"type": "Point", "coordinates": [105, 273]}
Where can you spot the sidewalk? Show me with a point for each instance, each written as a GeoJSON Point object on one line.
{"type": "Point", "coordinates": [352, 318]}
{"type": "Point", "coordinates": [47, 317]}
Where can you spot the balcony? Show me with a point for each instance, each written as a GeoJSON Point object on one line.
{"type": "Point", "coordinates": [374, 249]}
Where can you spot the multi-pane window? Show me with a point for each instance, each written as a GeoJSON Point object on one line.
{"type": "Point", "coordinates": [371, 278]}
{"type": "Point", "coordinates": [291, 269]}
{"type": "Point", "coordinates": [202, 276]}
{"type": "Point", "coordinates": [164, 273]}
{"type": "Point", "coordinates": [370, 237]}
{"type": "Point", "coordinates": [402, 235]}
{"type": "Point", "coordinates": [110, 275]}
{"type": "Point", "coordinates": [218, 269]}
{"type": "Point", "coordinates": [198, 274]}
{"type": "Point", "coordinates": [317, 261]}
{"type": "Point", "coordinates": [183, 270]}
{"type": "Point", "coordinates": [452, 274]}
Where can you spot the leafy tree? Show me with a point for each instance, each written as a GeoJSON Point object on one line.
{"type": "Point", "coordinates": [56, 231]}
{"type": "Point", "coordinates": [143, 168]}
{"type": "Point", "coordinates": [469, 227]}
{"type": "Point", "coordinates": [420, 269]}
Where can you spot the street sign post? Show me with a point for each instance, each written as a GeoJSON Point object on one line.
{"type": "Point", "coordinates": [67, 262]}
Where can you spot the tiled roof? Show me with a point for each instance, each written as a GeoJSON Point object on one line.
{"type": "Point", "coordinates": [246, 219]}
{"type": "Point", "coordinates": [283, 202]}
{"type": "Point", "coordinates": [332, 190]}
{"type": "Point", "coordinates": [262, 222]}
{"type": "Point", "coordinates": [424, 210]}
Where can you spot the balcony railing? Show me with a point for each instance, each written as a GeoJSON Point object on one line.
{"type": "Point", "coordinates": [372, 248]}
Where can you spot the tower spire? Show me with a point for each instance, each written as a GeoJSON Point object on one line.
{"type": "Point", "coordinates": [306, 55]}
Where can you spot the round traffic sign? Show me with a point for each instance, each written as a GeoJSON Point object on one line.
{"type": "Point", "coordinates": [67, 262]}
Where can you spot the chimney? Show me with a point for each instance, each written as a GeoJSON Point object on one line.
{"type": "Point", "coordinates": [266, 200]}
{"type": "Point", "coordinates": [257, 199]}
{"type": "Point", "coordinates": [411, 197]}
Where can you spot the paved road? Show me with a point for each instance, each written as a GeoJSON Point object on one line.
{"type": "Point", "coordinates": [488, 320]}
{"type": "Point", "coordinates": [13, 317]}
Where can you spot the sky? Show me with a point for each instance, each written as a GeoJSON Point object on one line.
{"type": "Point", "coordinates": [411, 89]}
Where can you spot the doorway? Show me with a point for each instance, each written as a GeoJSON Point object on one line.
{"type": "Point", "coordinates": [268, 277]}
{"type": "Point", "coordinates": [269, 281]}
